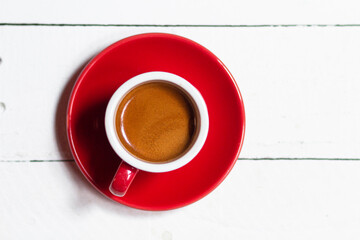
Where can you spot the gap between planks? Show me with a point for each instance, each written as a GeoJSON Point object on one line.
{"type": "Point", "coordinates": [178, 25]}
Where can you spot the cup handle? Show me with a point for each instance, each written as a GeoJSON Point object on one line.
{"type": "Point", "coordinates": [124, 176]}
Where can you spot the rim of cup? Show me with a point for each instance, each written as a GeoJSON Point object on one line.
{"type": "Point", "coordinates": [185, 86]}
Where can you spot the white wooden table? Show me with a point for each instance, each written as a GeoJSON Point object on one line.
{"type": "Point", "coordinates": [297, 64]}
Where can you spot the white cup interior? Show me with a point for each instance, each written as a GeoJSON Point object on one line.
{"type": "Point", "coordinates": [202, 124]}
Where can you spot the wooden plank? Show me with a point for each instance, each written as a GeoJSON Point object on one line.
{"type": "Point", "coordinates": [300, 85]}
{"type": "Point", "coordinates": [259, 200]}
{"type": "Point", "coordinates": [182, 12]}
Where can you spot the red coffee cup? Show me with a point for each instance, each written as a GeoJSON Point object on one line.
{"type": "Point", "coordinates": [131, 164]}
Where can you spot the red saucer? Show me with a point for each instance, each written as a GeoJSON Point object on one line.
{"type": "Point", "coordinates": [156, 52]}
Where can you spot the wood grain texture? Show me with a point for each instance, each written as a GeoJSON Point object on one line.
{"type": "Point", "coordinates": [259, 200]}
{"type": "Point", "coordinates": [182, 12]}
{"type": "Point", "coordinates": [300, 86]}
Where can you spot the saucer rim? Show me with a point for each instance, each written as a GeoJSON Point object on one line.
{"type": "Point", "coordinates": [81, 78]}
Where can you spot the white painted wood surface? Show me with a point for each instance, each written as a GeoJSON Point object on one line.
{"type": "Point", "coordinates": [300, 86]}
{"type": "Point", "coordinates": [182, 12]}
{"type": "Point", "coordinates": [301, 89]}
{"type": "Point", "coordinates": [259, 200]}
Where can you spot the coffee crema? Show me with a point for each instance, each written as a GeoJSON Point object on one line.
{"type": "Point", "coordinates": [156, 122]}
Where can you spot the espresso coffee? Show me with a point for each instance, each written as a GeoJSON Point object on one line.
{"type": "Point", "coordinates": [156, 122]}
